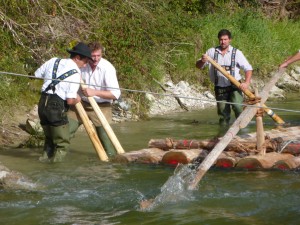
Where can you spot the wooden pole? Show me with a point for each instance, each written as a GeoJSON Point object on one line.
{"type": "Point", "coordinates": [91, 132]}
{"type": "Point", "coordinates": [104, 122]}
{"type": "Point", "coordinates": [260, 136]}
{"type": "Point", "coordinates": [275, 117]}
{"type": "Point", "coordinates": [242, 121]}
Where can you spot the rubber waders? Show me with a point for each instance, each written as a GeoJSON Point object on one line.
{"type": "Point", "coordinates": [57, 143]}
{"type": "Point", "coordinates": [73, 127]}
{"type": "Point", "coordinates": [108, 146]}
{"type": "Point", "coordinates": [61, 140]}
{"type": "Point", "coordinates": [48, 145]}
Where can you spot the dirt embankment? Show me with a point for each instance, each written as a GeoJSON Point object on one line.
{"type": "Point", "coordinates": [13, 133]}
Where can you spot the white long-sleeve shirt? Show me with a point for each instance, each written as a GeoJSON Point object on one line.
{"type": "Point", "coordinates": [104, 77]}
{"type": "Point", "coordinates": [67, 88]}
{"type": "Point", "coordinates": [240, 63]}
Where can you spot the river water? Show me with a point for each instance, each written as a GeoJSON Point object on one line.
{"type": "Point", "coordinates": [84, 190]}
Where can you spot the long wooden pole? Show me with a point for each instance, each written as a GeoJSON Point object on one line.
{"type": "Point", "coordinates": [260, 135]}
{"type": "Point", "coordinates": [104, 122]}
{"type": "Point", "coordinates": [91, 132]}
{"type": "Point", "coordinates": [242, 121]}
{"type": "Point", "coordinates": [275, 117]}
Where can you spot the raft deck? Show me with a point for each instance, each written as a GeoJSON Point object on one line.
{"type": "Point", "coordinates": [282, 151]}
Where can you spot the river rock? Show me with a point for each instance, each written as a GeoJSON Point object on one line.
{"type": "Point", "coordinates": [276, 93]}
{"type": "Point", "coordinates": [189, 95]}
{"type": "Point", "coordinates": [289, 82]}
{"type": "Point", "coordinates": [14, 180]}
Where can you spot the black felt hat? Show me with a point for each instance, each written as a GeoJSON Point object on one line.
{"type": "Point", "coordinates": [81, 49]}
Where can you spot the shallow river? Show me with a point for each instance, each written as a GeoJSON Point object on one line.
{"type": "Point", "coordinates": [84, 190]}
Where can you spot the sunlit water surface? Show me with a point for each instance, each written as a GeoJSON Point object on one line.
{"type": "Point", "coordinates": [84, 190]}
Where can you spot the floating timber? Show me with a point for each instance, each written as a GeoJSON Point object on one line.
{"type": "Point", "coordinates": [282, 151]}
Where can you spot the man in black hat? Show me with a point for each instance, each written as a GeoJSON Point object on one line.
{"type": "Point", "coordinates": [59, 91]}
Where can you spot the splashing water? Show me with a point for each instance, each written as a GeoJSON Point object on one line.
{"type": "Point", "coordinates": [176, 187]}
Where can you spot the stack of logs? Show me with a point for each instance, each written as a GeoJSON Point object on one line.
{"type": "Point", "coordinates": [282, 151]}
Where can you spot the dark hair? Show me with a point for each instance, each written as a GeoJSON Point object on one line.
{"type": "Point", "coordinates": [94, 46]}
{"type": "Point", "coordinates": [224, 32]}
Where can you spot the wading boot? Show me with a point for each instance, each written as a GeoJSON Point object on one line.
{"type": "Point", "coordinates": [61, 140]}
{"type": "Point", "coordinates": [49, 147]}
{"type": "Point", "coordinates": [73, 127]}
{"type": "Point", "coordinates": [105, 141]}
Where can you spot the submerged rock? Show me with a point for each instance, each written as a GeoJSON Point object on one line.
{"type": "Point", "coordinates": [14, 180]}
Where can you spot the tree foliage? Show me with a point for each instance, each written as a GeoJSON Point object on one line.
{"type": "Point", "coordinates": [143, 39]}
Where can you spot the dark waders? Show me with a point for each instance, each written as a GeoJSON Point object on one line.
{"type": "Point", "coordinates": [228, 94]}
{"type": "Point", "coordinates": [52, 112]}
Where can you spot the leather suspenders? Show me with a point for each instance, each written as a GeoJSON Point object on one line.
{"type": "Point", "coordinates": [55, 80]}
{"type": "Point", "coordinates": [230, 68]}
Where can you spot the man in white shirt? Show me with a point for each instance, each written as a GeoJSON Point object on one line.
{"type": "Point", "coordinates": [102, 84]}
{"type": "Point", "coordinates": [232, 60]}
{"type": "Point", "coordinates": [59, 91]}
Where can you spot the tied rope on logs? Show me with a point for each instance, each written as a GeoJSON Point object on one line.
{"type": "Point", "coordinates": [253, 101]}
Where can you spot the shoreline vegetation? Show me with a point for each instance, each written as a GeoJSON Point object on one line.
{"type": "Point", "coordinates": [146, 41]}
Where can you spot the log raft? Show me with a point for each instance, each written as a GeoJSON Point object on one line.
{"type": "Point", "coordinates": [282, 151]}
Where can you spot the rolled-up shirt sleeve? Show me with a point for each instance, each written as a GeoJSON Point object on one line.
{"type": "Point", "coordinates": [242, 62]}
{"type": "Point", "coordinates": [112, 82]}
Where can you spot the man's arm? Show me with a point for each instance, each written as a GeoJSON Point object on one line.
{"type": "Point", "coordinates": [245, 85]}
{"type": "Point", "coordinates": [89, 92]}
{"type": "Point", "coordinates": [73, 101]}
{"type": "Point", "coordinates": [200, 63]}
{"type": "Point", "coordinates": [290, 60]}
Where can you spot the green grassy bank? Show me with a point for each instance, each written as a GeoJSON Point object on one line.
{"type": "Point", "coordinates": [143, 39]}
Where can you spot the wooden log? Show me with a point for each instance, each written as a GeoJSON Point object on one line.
{"type": "Point", "coordinates": [146, 156]}
{"type": "Point", "coordinates": [266, 161]}
{"type": "Point", "coordinates": [260, 136]}
{"type": "Point", "coordinates": [174, 157]}
{"type": "Point", "coordinates": [288, 164]}
{"type": "Point", "coordinates": [164, 144]}
{"type": "Point", "coordinates": [241, 146]}
{"type": "Point", "coordinates": [286, 133]}
{"type": "Point", "coordinates": [237, 144]}
{"type": "Point", "coordinates": [292, 148]}
{"type": "Point", "coordinates": [169, 143]}
{"type": "Point", "coordinates": [226, 160]}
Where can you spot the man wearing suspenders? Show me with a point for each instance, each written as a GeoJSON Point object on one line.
{"type": "Point", "coordinates": [59, 91]}
{"type": "Point", "coordinates": [232, 60]}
